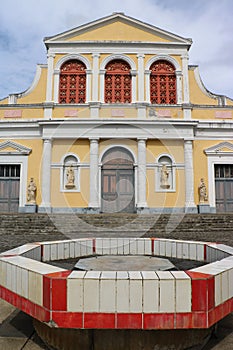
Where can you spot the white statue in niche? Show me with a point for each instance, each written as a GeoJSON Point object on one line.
{"type": "Point", "coordinates": [202, 191]}
{"type": "Point", "coordinates": [70, 178]}
{"type": "Point", "coordinates": [164, 174]}
{"type": "Point", "coordinates": [31, 195]}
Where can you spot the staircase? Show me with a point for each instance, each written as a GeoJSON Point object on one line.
{"type": "Point", "coordinates": [17, 229]}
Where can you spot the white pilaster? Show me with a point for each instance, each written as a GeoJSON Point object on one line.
{"type": "Point", "coordinates": [102, 84]}
{"type": "Point", "coordinates": [94, 174]}
{"type": "Point", "coordinates": [56, 85]}
{"type": "Point", "coordinates": [95, 85]}
{"type": "Point", "coordinates": [49, 88]}
{"type": "Point", "coordinates": [46, 176]}
{"type": "Point", "coordinates": [141, 77]}
{"type": "Point", "coordinates": [88, 85]}
{"type": "Point", "coordinates": [185, 59]}
{"type": "Point", "coordinates": [189, 179]}
{"type": "Point", "coordinates": [141, 174]}
{"type": "Point", "coordinates": [147, 78]}
{"type": "Point", "coordinates": [134, 94]}
{"type": "Point", "coordinates": [179, 86]}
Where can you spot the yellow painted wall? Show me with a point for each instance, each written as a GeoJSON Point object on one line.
{"type": "Point", "coordinates": [37, 95]}
{"type": "Point", "coordinates": [61, 111]}
{"type": "Point", "coordinates": [119, 30]}
{"type": "Point", "coordinates": [62, 147]}
{"type": "Point", "coordinates": [196, 94]}
{"type": "Point", "coordinates": [27, 113]}
{"type": "Point", "coordinates": [209, 113]}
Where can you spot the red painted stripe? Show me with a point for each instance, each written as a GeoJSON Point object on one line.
{"type": "Point", "coordinates": [202, 291]}
{"type": "Point", "coordinates": [68, 319]}
{"type": "Point", "coordinates": [152, 245]}
{"type": "Point", "coordinates": [129, 321]}
{"type": "Point", "coordinates": [59, 294]}
{"type": "Point", "coordinates": [99, 320]}
{"type": "Point", "coordinates": [94, 246]}
{"type": "Point", "coordinates": [25, 305]}
{"type": "Point", "coordinates": [200, 320]}
{"type": "Point", "coordinates": [211, 292]}
{"type": "Point", "coordinates": [159, 321]}
{"type": "Point", "coordinates": [184, 320]}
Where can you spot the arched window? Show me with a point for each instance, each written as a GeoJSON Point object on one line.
{"type": "Point", "coordinates": [162, 83]}
{"type": "Point", "coordinates": [72, 87]}
{"type": "Point", "coordinates": [118, 82]}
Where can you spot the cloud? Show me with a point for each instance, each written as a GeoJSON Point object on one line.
{"type": "Point", "coordinates": [22, 30]}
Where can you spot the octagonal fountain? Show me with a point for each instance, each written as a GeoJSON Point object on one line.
{"type": "Point", "coordinates": [99, 306]}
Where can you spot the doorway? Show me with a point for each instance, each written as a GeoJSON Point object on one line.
{"type": "Point", "coordinates": [9, 187]}
{"type": "Point", "coordinates": [117, 181]}
{"type": "Point", "coordinates": [224, 187]}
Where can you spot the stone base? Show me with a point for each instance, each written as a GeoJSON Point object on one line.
{"type": "Point", "coordinates": [86, 339]}
{"type": "Point", "coordinates": [30, 208]}
{"type": "Point", "coordinates": [203, 208]}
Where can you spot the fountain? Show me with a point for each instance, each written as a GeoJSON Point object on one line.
{"type": "Point", "coordinates": [110, 303]}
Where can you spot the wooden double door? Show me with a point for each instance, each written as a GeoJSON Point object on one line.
{"type": "Point", "coordinates": [224, 187]}
{"type": "Point", "coordinates": [117, 192]}
{"type": "Point", "coordinates": [9, 187]}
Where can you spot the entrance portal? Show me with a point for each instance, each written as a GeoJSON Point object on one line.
{"type": "Point", "coordinates": [224, 187]}
{"type": "Point", "coordinates": [117, 190]}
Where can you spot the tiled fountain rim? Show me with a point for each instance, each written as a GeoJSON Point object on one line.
{"type": "Point", "coordinates": [196, 298]}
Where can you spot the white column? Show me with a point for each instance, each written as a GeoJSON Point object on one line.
{"type": "Point", "coordinates": [94, 174]}
{"type": "Point", "coordinates": [189, 178]}
{"type": "Point", "coordinates": [88, 85]}
{"type": "Point", "coordinates": [102, 84]}
{"type": "Point", "coordinates": [141, 173]}
{"type": "Point", "coordinates": [147, 74]}
{"type": "Point", "coordinates": [141, 77]}
{"type": "Point", "coordinates": [179, 86]}
{"type": "Point", "coordinates": [49, 89]}
{"type": "Point", "coordinates": [56, 86]}
{"type": "Point", "coordinates": [95, 81]}
{"type": "Point", "coordinates": [46, 176]}
{"type": "Point", "coordinates": [133, 74]}
{"type": "Point", "coordinates": [185, 59]}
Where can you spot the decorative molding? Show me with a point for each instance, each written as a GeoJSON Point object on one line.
{"type": "Point", "coordinates": [219, 149]}
{"type": "Point", "coordinates": [17, 148]}
{"type": "Point", "coordinates": [118, 57]}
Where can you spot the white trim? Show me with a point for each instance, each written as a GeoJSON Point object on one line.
{"type": "Point", "coordinates": [57, 73]}
{"type": "Point", "coordinates": [118, 57]}
{"type": "Point", "coordinates": [34, 82]}
{"type": "Point", "coordinates": [72, 57]}
{"type": "Point", "coordinates": [19, 149]}
{"type": "Point", "coordinates": [114, 146]}
{"type": "Point", "coordinates": [163, 57]}
{"type": "Point", "coordinates": [23, 162]}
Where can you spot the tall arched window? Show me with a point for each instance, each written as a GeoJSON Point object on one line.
{"type": "Point", "coordinates": [162, 83]}
{"type": "Point", "coordinates": [118, 82]}
{"type": "Point", "coordinates": [72, 87]}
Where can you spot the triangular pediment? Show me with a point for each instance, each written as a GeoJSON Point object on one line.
{"type": "Point", "coordinates": [220, 148]}
{"type": "Point", "coordinates": [117, 27]}
{"type": "Point", "coordinates": [10, 147]}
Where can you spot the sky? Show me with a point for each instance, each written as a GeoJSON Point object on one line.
{"type": "Point", "coordinates": [24, 24]}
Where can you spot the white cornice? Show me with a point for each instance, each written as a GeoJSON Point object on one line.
{"type": "Point", "coordinates": [16, 148]}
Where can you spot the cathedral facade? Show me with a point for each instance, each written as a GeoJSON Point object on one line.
{"type": "Point", "coordinates": [116, 121]}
